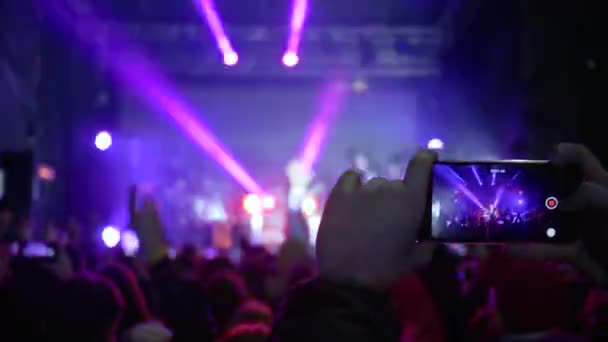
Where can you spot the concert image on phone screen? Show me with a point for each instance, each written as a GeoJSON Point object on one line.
{"type": "Point", "coordinates": [490, 202]}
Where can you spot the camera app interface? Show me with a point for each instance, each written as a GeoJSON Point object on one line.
{"type": "Point", "coordinates": [493, 202]}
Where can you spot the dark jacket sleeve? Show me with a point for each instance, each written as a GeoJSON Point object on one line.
{"type": "Point", "coordinates": [320, 310]}
{"type": "Point", "coordinates": [181, 302]}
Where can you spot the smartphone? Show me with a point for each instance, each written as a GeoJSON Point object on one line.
{"type": "Point", "coordinates": [33, 250]}
{"type": "Point", "coordinates": [499, 202]}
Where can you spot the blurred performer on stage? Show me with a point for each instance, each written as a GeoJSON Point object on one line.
{"type": "Point", "coordinates": [360, 163]}
{"type": "Point", "coordinates": [300, 191]}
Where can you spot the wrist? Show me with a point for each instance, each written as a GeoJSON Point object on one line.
{"type": "Point", "coordinates": [375, 283]}
{"type": "Point", "coordinates": [371, 304]}
{"type": "Point", "coordinates": [378, 293]}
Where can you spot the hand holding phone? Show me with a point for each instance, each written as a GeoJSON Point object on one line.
{"type": "Point", "coordinates": [500, 201]}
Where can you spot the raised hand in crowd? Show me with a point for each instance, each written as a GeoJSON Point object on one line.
{"type": "Point", "coordinates": [146, 221]}
{"type": "Point", "coordinates": [366, 242]}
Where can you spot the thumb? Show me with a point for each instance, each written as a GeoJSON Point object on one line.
{"type": "Point", "coordinates": [418, 177]}
{"type": "Point", "coordinates": [349, 182]}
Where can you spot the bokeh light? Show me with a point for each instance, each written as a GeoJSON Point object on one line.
{"type": "Point", "coordinates": [252, 204]}
{"type": "Point", "coordinates": [435, 144]}
{"type": "Point", "coordinates": [110, 236]}
{"type": "Point", "coordinates": [231, 58]}
{"type": "Point", "coordinates": [129, 242]}
{"type": "Point", "coordinates": [103, 140]}
{"type": "Point", "coordinates": [290, 59]}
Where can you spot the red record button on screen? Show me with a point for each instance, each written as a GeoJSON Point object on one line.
{"type": "Point", "coordinates": [551, 203]}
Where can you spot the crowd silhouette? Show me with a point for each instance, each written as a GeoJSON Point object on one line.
{"type": "Point", "coordinates": [368, 279]}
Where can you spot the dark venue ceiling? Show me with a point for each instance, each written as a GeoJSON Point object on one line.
{"type": "Point", "coordinates": [275, 12]}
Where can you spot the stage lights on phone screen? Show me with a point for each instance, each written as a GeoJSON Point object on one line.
{"type": "Point", "coordinates": [495, 202]}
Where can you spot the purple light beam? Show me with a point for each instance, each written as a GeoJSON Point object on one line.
{"type": "Point", "coordinates": [331, 101]}
{"type": "Point", "coordinates": [515, 176]}
{"type": "Point", "coordinates": [456, 183]}
{"type": "Point", "coordinates": [499, 193]}
{"type": "Point", "coordinates": [217, 29]}
{"type": "Point", "coordinates": [298, 17]}
{"type": "Point", "coordinates": [474, 169]}
{"type": "Point", "coordinates": [457, 176]}
{"type": "Point", "coordinates": [159, 94]}
{"type": "Point", "coordinates": [142, 77]}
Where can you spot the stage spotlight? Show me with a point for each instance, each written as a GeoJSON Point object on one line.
{"type": "Point", "coordinates": [103, 140]}
{"type": "Point", "coordinates": [231, 58]}
{"type": "Point", "coordinates": [110, 236]}
{"type": "Point", "coordinates": [129, 242]}
{"type": "Point", "coordinates": [217, 30]}
{"type": "Point", "coordinates": [435, 144]}
{"type": "Point", "coordinates": [296, 25]}
{"type": "Point", "coordinates": [252, 204]}
{"type": "Point", "coordinates": [290, 59]}
{"type": "Point", "coordinates": [551, 233]}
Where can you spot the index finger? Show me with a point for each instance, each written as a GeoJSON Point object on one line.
{"type": "Point", "coordinates": [418, 177]}
{"type": "Point", "coordinates": [418, 173]}
{"type": "Point", "coordinates": [349, 182]}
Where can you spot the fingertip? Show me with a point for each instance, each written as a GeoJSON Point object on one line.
{"type": "Point", "coordinates": [420, 164]}
{"type": "Point", "coordinates": [350, 181]}
{"type": "Point", "coordinates": [426, 155]}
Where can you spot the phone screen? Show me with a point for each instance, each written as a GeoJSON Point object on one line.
{"type": "Point", "coordinates": [493, 202]}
